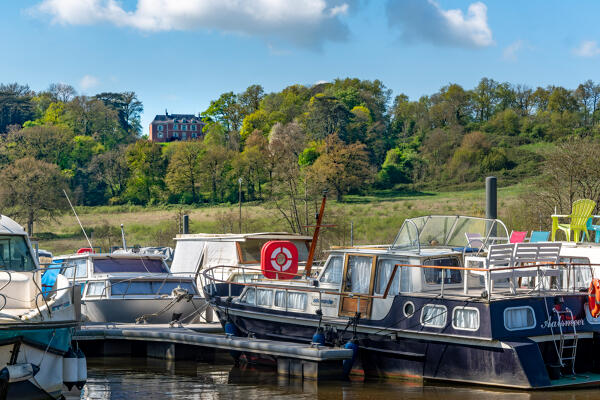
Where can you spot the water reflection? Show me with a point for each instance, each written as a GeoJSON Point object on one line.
{"type": "Point", "coordinates": [123, 378]}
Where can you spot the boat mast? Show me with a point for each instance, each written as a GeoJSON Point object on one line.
{"type": "Point", "coordinates": [313, 244]}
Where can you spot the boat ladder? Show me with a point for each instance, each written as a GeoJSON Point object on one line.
{"type": "Point", "coordinates": [567, 347]}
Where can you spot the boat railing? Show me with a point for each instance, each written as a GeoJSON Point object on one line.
{"type": "Point", "coordinates": [211, 281]}
{"type": "Point", "coordinates": [146, 275]}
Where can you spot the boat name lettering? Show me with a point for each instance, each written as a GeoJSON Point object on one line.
{"type": "Point", "coordinates": [555, 324]}
{"type": "Point", "coordinates": [324, 302]}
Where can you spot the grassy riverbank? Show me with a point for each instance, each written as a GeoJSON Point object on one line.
{"type": "Point", "coordinates": [376, 219]}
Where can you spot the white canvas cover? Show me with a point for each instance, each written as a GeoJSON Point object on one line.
{"type": "Point", "coordinates": [220, 254]}
{"type": "Point", "coordinates": [188, 254]}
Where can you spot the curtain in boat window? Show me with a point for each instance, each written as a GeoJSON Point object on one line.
{"type": "Point", "coordinates": [264, 297]}
{"type": "Point", "coordinates": [296, 300]}
{"type": "Point", "coordinates": [248, 297]}
{"type": "Point", "coordinates": [434, 316]}
{"type": "Point", "coordinates": [96, 289]}
{"type": "Point", "coordinates": [333, 270]}
{"type": "Point", "coordinates": [280, 298]}
{"type": "Point", "coordinates": [519, 318]}
{"type": "Point", "coordinates": [359, 274]}
{"type": "Point", "coordinates": [383, 274]}
{"type": "Point", "coordinates": [465, 318]}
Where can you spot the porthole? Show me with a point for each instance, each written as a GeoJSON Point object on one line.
{"type": "Point", "coordinates": [408, 309]}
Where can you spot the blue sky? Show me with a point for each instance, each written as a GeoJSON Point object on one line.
{"type": "Point", "coordinates": [180, 54]}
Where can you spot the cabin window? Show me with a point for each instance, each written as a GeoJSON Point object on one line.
{"type": "Point", "coordinates": [582, 273]}
{"type": "Point", "coordinates": [15, 255]}
{"type": "Point", "coordinates": [516, 318]}
{"type": "Point", "coordinates": [264, 297]}
{"type": "Point", "coordinates": [139, 265]}
{"type": "Point", "coordinates": [333, 270]}
{"type": "Point", "coordinates": [296, 300]}
{"type": "Point", "coordinates": [76, 267]}
{"type": "Point", "coordinates": [149, 287]}
{"type": "Point", "coordinates": [249, 296]}
{"type": "Point", "coordinates": [434, 315]}
{"type": "Point", "coordinates": [358, 276]}
{"type": "Point", "coordinates": [465, 318]}
{"type": "Point", "coordinates": [96, 289]}
{"type": "Point", "coordinates": [433, 276]}
{"type": "Point", "coordinates": [401, 282]}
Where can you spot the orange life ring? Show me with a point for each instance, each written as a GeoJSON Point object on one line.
{"type": "Point", "coordinates": [594, 297]}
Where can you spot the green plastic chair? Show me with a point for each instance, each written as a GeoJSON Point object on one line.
{"type": "Point", "coordinates": [580, 213]}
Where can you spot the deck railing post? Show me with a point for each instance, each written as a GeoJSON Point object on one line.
{"type": "Point", "coordinates": [443, 279]}
{"type": "Point", "coordinates": [489, 284]}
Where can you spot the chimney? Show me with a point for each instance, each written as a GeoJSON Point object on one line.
{"type": "Point", "coordinates": [166, 113]}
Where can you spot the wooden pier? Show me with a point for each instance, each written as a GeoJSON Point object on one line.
{"type": "Point", "coordinates": [205, 342]}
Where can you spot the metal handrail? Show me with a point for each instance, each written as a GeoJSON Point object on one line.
{"type": "Point", "coordinates": [213, 280]}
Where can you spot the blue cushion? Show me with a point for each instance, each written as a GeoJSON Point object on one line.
{"type": "Point", "coordinates": [466, 249]}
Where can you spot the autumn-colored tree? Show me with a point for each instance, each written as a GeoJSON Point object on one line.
{"type": "Point", "coordinates": [342, 167]}
{"type": "Point", "coordinates": [31, 190]}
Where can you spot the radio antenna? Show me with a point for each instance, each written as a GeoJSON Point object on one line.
{"type": "Point", "coordinates": [78, 220]}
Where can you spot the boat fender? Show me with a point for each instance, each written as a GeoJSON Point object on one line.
{"type": "Point", "coordinates": [230, 329]}
{"type": "Point", "coordinates": [594, 297]}
{"type": "Point", "coordinates": [70, 369]}
{"type": "Point", "coordinates": [81, 369]}
{"type": "Point", "coordinates": [319, 337]}
{"type": "Point", "coordinates": [18, 372]}
{"type": "Point", "coordinates": [348, 363]}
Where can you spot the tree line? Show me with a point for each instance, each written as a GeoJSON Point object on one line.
{"type": "Point", "coordinates": [283, 148]}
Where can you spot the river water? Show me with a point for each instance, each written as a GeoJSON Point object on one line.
{"type": "Point", "coordinates": [140, 378]}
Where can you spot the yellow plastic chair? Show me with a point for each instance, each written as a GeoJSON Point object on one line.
{"type": "Point", "coordinates": [580, 213]}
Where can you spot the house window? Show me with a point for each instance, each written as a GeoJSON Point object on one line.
{"type": "Point", "coordinates": [175, 135]}
{"type": "Point", "coordinates": [175, 126]}
{"type": "Point", "coordinates": [184, 127]}
{"type": "Point", "coordinates": [183, 135]}
{"type": "Point", "coordinates": [160, 127]}
{"type": "Point", "coordinates": [160, 135]}
{"type": "Point", "coordinates": [193, 127]}
{"type": "Point", "coordinates": [194, 135]}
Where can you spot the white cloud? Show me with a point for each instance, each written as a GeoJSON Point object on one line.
{"type": "Point", "coordinates": [88, 82]}
{"type": "Point", "coordinates": [303, 22]}
{"type": "Point", "coordinates": [510, 51]}
{"type": "Point", "coordinates": [426, 21]}
{"type": "Point", "coordinates": [587, 48]}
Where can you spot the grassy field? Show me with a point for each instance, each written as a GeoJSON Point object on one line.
{"type": "Point", "coordinates": [376, 219]}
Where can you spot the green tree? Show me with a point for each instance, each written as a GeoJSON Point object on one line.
{"type": "Point", "coordinates": [185, 169]}
{"type": "Point", "coordinates": [147, 170]}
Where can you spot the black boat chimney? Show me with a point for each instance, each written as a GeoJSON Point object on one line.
{"type": "Point", "coordinates": [491, 198]}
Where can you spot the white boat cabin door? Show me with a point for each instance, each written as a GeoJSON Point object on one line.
{"type": "Point", "coordinates": [357, 285]}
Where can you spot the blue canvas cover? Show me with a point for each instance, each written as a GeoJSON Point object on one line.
{"type": "Point", "coordinates": [49, 276]}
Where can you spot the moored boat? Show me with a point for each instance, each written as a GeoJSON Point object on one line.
{"type": "Point", "coordinates": [435, 306]}
{"type": "Point", "coordinates": [129, 287]}
{"type": "Point", "coordinates": [35, 331]}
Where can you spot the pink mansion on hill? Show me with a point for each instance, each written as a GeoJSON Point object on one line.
{"type": "Point", "coordinates": [172, 127]}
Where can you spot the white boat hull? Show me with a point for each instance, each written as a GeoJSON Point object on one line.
{"type": "Point", "coordinates": [128, 310]}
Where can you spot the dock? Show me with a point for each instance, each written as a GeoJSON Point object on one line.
{"type": "Point", "coordinates": [204, 342]}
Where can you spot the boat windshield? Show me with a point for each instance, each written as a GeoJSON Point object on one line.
{"type": "Point", "coordinates": [448, 231]}
{"type": "Point", "coordinates": [15, 254]}
{"type": "Point", "coordinates": [139, 265]}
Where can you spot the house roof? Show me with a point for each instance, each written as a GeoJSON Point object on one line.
{"type": "Point", "coordinates": [177, 118]}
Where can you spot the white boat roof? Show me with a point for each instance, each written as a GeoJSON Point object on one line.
{"type": "Point", "coordinates": [108, 255]}
{"type": "Point", "coordinates": [9, 227]}
{"type": "Point", "coordinates": [241, 237]}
